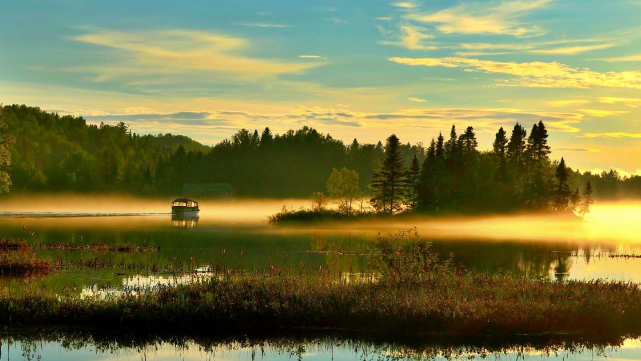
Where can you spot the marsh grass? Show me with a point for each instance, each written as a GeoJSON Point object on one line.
{"type": "Point", "coordinates": [13, 244]}
{"type": "Point", "coordinates": [414, 293]}
{"type": "Point", "coordinates": [22, 263]}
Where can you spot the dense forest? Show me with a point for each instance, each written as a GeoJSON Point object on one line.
{"type": "Point", "coordinates": [53, 153]}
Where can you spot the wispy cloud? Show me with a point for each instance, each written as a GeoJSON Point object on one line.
{"type": "Point", "coordinates": [602, 113]}
{"type": "Point", "coordinates": [337, 20]}
{"type": "Point", "coordinates": [264, 25]}
{"type": "Point", "coordinates": [405, 4]}
{"type": "Point", "coordinates": [411, 37]}
{"type": "Point", "coordinates": [310, 56]}
{"type": "Point", "coordinates": [179, 51]}
{"type": "Point", "coordinates": [496, 18]}
{"type": "Point", "coordinates": [417, 100]}
{"type": "Point", "coordinates": [572, 149]}
{"type": "Point", "coordinates": [571, 50]}
{"type": "Point", "coordinates": [534, 74]}
{"type": "Point", "coordinates": [629, 58]}
{"type": "Point", "coordinates": [615, 135]}
{"type": "Point", "coordinates": [568, 103]}
{"type": "Point", "coordinates": [631, 102]}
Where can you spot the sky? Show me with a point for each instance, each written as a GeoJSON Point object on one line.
{"type": "Point", "coordinates": [353, 68]}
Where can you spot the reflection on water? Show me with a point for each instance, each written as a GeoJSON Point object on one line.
{"type": "Point", "coordinates": [224, 236]}
{"type": "Point", "coordinates": [182, 221]}
{"type": "Point", "coordinates": [84, 345]}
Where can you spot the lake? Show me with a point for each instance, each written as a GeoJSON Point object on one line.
{"type": "Point", "coordinates": [40, 345]}
{"type": "Point", "coordinates": [236, 235]}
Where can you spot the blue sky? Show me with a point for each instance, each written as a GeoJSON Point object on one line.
{"type": "Point", "coordinates": [356, 69]}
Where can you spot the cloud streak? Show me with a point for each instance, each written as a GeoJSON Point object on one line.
{"type": "Point", "coordinates": [534, 74]}
{"type": "Point", "coordinates": [180, 51]}
{"type": "Point", "coordinates": [494, 18]}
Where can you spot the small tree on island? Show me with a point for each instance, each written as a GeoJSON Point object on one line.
{"type": "Point", "coordinates": [344, 185]}
{"type": "Point", "coordinates": [389, 182]}
{"type": "Point", "coordinates": [319, 201]}
{"type": "Point", "coordinates": [588, 199]}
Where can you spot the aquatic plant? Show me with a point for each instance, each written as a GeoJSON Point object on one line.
{"type": "Point", "coordinates": [415, 293]}
{"type": "Point", "coordinates": [22, 263]}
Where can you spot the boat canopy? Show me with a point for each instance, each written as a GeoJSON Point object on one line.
{"type": "Point", "coordinates": [184, 202]}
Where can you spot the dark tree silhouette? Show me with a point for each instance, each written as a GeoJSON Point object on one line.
{"type": "Point", "coordinates": [587, 200]}
{"type": "Point", "coordinates": [563, 193]}
{"type": "Point", "coordinates": [389, 182]}
{"type": "Point", "coordinates": [413, 180]}
{"type": "Point", "coordinates": [499, 147]}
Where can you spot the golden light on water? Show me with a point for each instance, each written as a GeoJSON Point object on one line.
{"type": "Point", "coordinates": [613, 222]}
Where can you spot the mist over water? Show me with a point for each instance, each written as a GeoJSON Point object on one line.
{"type": "Point", "coordinates": [612, 222]}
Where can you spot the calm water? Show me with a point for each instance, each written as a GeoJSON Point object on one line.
{"type": "Point", "coordinates": [236, 235]}
{"type": "Point", "coordinates": [79, 347]}
{"type": "Point", "coordinates": [547, 249]}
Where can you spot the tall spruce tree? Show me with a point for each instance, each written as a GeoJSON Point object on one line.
{"type": "Point", "coordinates": [412, 179]}
{"type": "Point", "coordinates": [6, 141]}
{"type": "Point", "coordinates": [389, 182]}
{"type": "Point", "coordinates": [588, 199]}
{"type": "Point", "coordinates": [499, 147]}
{"type": "Point", "coordinates": [516, 146]}
{"type": "Point", "coordinates": [563, 192]}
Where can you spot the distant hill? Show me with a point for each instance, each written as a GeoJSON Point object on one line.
{"type": "Point", "coordinates": [172, 142]}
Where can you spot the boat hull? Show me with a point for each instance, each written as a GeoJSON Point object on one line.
{"type": "Point", "coordinates": [185, 211]}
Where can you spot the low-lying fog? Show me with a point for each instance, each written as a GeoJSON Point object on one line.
{"type": "Point", "coordinates": [613, 221]}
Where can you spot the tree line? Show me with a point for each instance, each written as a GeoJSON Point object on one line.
{"type": "Point", "coordinates": [45, 152]}
{"type": "Point", "coordinates": [516, 174]}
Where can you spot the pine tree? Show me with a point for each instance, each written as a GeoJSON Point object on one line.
{"type": "Point", "coordinates": [468, 142]}
{"type": "Point", "coordinates": [588, 199]}
{"type": "Point", "coordinates": [266, 138]}
{"type": "Point", "coordinates": [563, 189]}
{"type": "Point", "coordinates": [389, 181]}
{"type": "Point", "coordinates": [516, 146]}
{"type": "Point", "coordinates": [540, 149]}
{"type": "Point", "coordinates": [500, 148]}
{"type": "Point", "coordinates": [412, 178]}
{"type": "Point", "coordinates": [6, 141]}
{"type": "Point", "coordinates": [451, 147]}
{"type": "Point", "coordinates": [427, 185]}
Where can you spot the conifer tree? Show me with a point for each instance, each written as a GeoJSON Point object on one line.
{"type": "Point", "coordinates": [389, 181]}
{"type": "Point", "coordinates": [412, 178]}
{"type": "Point", "coordinates": [266, 138]}
{"type": "Point", "coordinates": [516, 146]}
{"type": "Point", "coordinates": [451, 147]}
{"type": "Point", "coordinates": [468, 142]}
{"type": "Point", "coordinates": [563, 192]}
{"type": "Point", "coordinates": [6, 141]}
{"type": "Point", "coordinates": [587, 200]}
{"type": "Point", "coordinates": [499, 147]}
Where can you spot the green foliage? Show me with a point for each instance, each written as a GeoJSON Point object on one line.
{"type": "Point", "coordinates": [413, 178]}
{"type": "Point", "coordinates": [405, 259]}
{"type": "Point", "coordinates": [64, 153]}
{"type": "Point", "coordinates": [6, 140]}
{"type": "Point", "coordinates": [344, 185]}
{"type": "Point", "coordinates": [416, 294]}
{"type": "Point", "coordinates": [319, 202]}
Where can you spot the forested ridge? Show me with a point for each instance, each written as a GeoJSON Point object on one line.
{"type": "Point", "coordinates": [53, 153]}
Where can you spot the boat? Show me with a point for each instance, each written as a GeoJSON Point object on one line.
{"type": "Point", "coordinates": [184, 207]}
